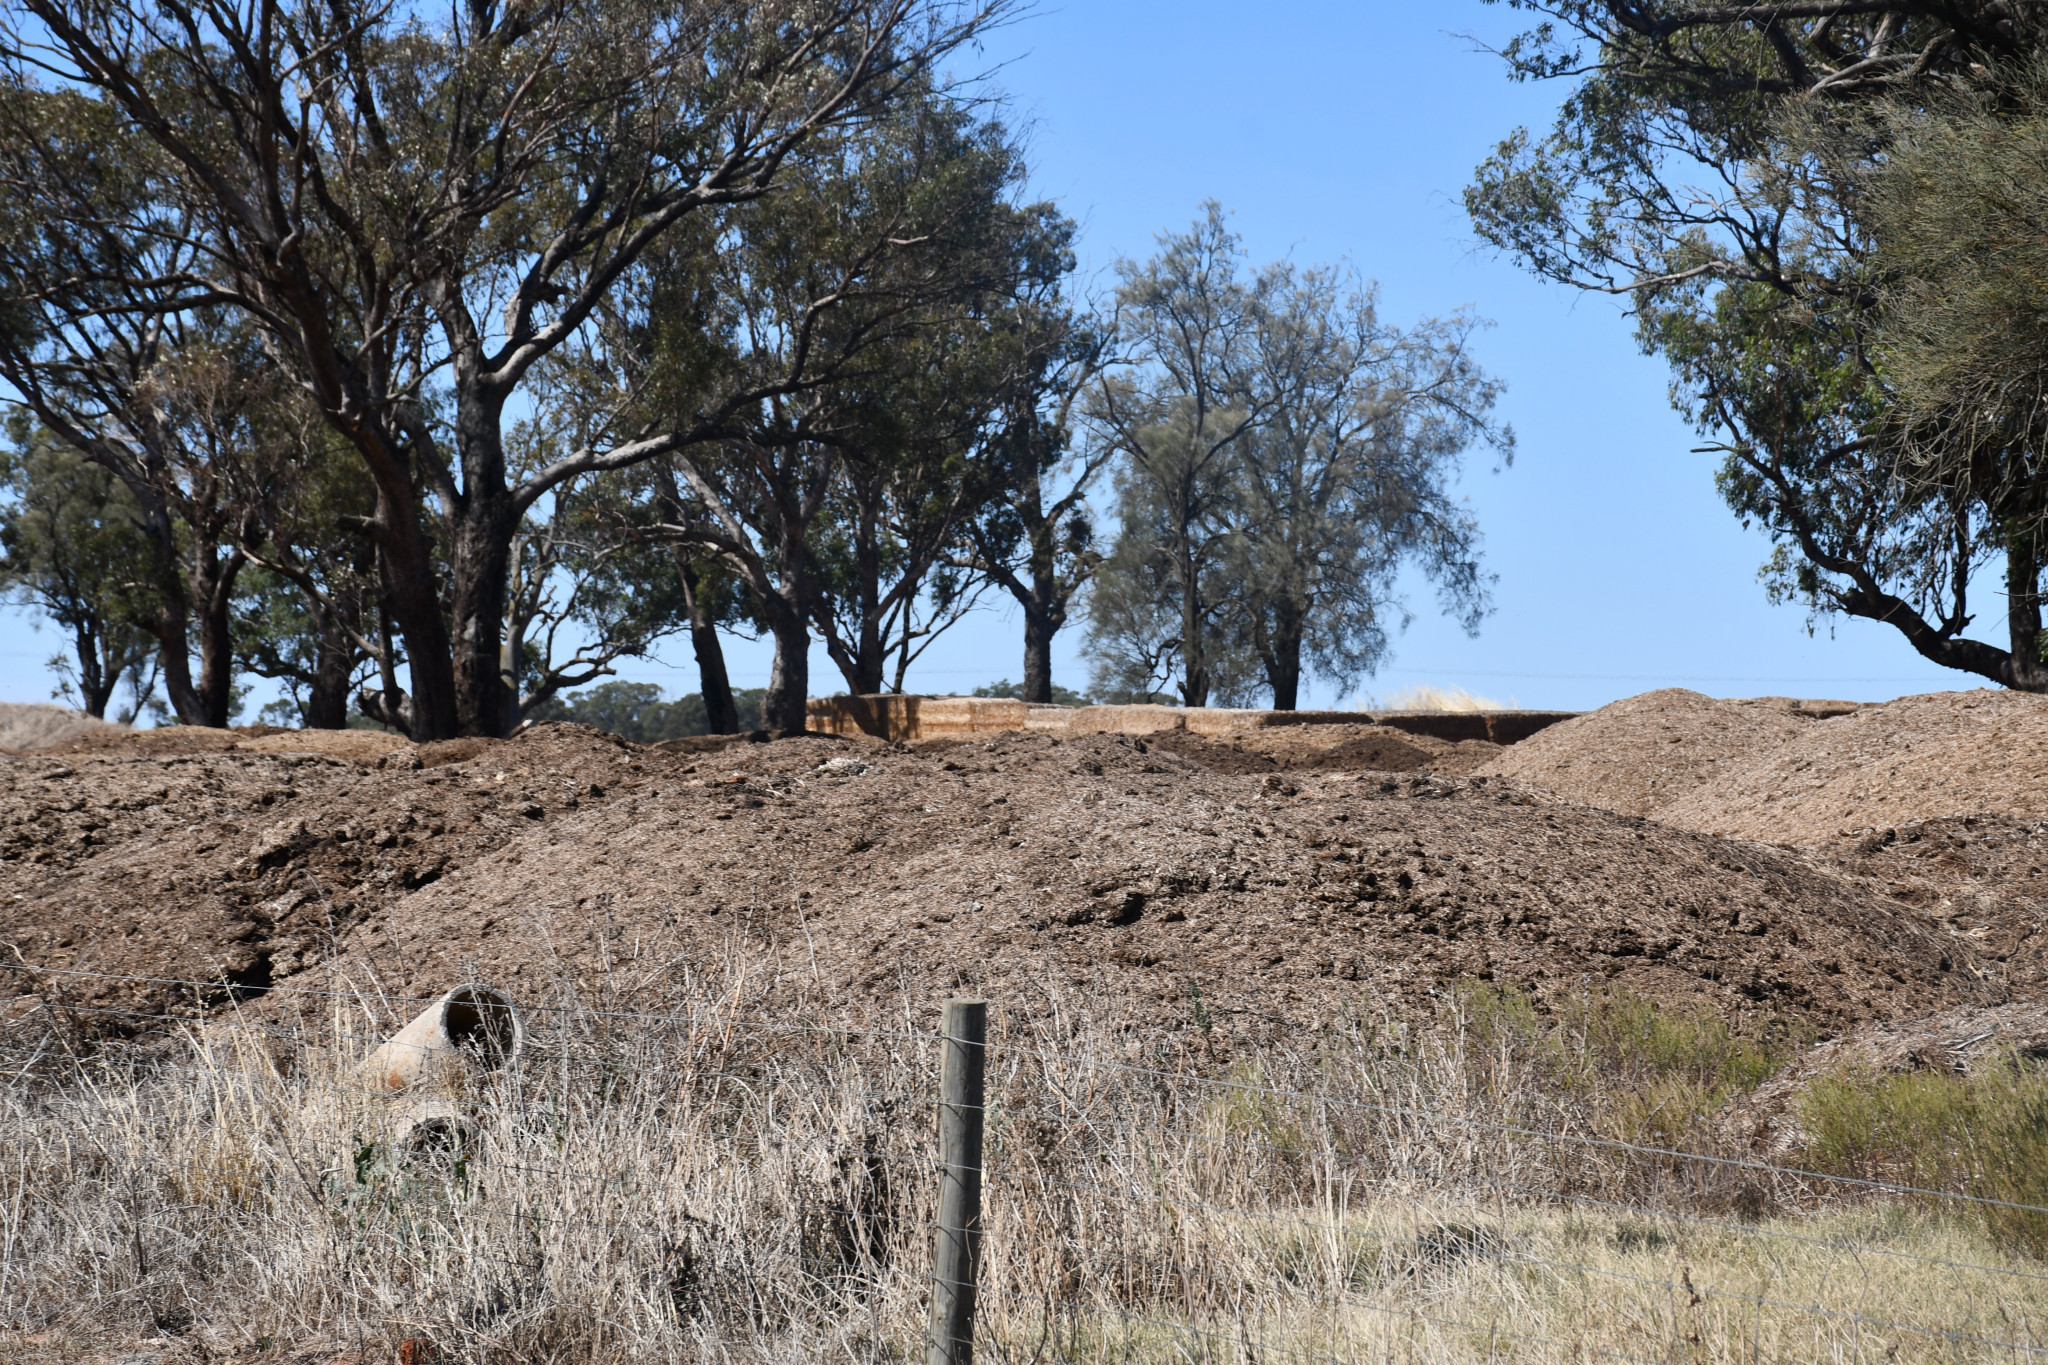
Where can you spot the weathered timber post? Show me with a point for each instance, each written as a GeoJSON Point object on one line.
{"type": "Point", "coordinates": [956, 1247]}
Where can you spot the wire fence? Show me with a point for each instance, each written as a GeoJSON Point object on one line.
{"type": "Point", "coordinates": [691, 1178]}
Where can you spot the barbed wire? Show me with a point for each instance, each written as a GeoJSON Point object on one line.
{"type": "Point", "coordinates": [1366, 1106]}
{"type": "Point", "coordinates": [1518, 1130]}
{"type": "Point", "coordinates": [1313, 1225]}
{"type": "Point", "coordinates": [1437, 1174]}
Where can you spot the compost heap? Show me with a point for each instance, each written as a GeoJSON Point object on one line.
{"type": "Point", "coordinates": [1255, 885]}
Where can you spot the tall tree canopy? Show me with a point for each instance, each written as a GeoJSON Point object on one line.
{"type": "Point", "coordinates": [415, 215]}
{"type": "Point", "coordinates": [1285, 455]}
{"type": "Point", "coordinates": [74, 547]}
{"type": "Point", "coordinates": [1730, 170]}
{"type": "Point", "coordinates": [838, 362]}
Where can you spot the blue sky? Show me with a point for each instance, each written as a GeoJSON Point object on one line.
{"type": "Point", "coordinates": [1348, 132]}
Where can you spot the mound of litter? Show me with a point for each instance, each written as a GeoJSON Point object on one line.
{"type": "Point", "coordinates": [1377, 748]}
{"type": "Point", "coordinates": [1641, 754]}
{"type": "Point", "coordinates": [1940, 755]}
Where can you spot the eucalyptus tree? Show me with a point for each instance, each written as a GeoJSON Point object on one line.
{"type": "Point", "coordinates": [931, 446]}
{"type": "Point", "coordinates": [1188, 317]}
{"type": "Point", "coordinates": [94, 347]}
{"type": "Point", "coordinates": [1721, 168]}
{"type": "Point", "coordinates": [587, 590]}
{"type": "Point", "coordinates": [1349, 479]}
{"type": "Point", "coordinates": [73, 548]}
{"type": "Point", "coordinates": [309, 614]}
{"type": "Point", "coordinates": [713, 596]}
{"type": "Point", "coordinates": [1959, 208]}
{"type": "Point", "coordinates": [1034, 536]}
{"type": "Point", "coordinates": [850, 311]}
{"type": "Point", "coordinates": [1285, 455]}
{"type": "Point", "coordinates": [419, 212]}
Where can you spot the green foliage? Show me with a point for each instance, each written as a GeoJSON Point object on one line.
{"type": "Point", "coordinates": [1061, 696]}
{"type": "Point", "coordinates": [636, 711]}
{"type": "Point", "coordinates": [1985, 1134]}
{"type": "Point", "coordinates": [1285, 456]}
{"type": "Point", "coordinates": [1813, 219]}
{"type": "Point", "coordinates": [1640, 1071]}
{"type": "Point", "coordinates": [1960, 212]}
{"type": "Point", "coordinates": [72, 548]}
{"type": "Point", "coordinates": [843, 354]}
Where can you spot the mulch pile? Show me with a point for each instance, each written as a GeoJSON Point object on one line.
{"type": "Point", "coordinates": [1943, 755]}
{"type": "Point", "coordinates": [1640, 754]}
{"type": "Point", "coordinates": [844, 875]}
{"type": "Point", "coordinates": [1326, 747]}
{"type": "Point", "coordinates": [1762, 859]}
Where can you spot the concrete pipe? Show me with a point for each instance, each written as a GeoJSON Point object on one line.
{"type": "Point", "coordinates": [469, 1032]}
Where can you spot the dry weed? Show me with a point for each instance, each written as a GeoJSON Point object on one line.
{"type": "Point", "coordinates": [687, 1181]}
{"type": "Point", "coordinates": [1428, 697]}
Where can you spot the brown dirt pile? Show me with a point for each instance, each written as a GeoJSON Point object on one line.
{"type": "Point", "coordinates": [1328, 747]}
{"type": "Point", "coordinates": [1938, 756]}
{"type": "Point", "coordinates": [1024, 865]}
{"type": "Point", "coordinates": [1639, 755]}
{"type": "Point", "coordinates": [26, 725]}
{"type": "Point", "coordinates": [1980, 879]}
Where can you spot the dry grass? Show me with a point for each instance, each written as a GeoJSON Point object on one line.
{"type": "Point", "coordinates": [1425, 697]}
{"type": "Point", "coordinates": [690, 1184]}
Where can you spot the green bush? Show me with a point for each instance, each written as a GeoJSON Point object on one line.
{"type": "Point", "coordinates": [1984, 1135]}
{"type": "Point", "coordinates": [1634, 1070]}
{"type": "Point", "coordinates": [1061, 696]}
{"type": "Point", "coordinates": [637, 712]}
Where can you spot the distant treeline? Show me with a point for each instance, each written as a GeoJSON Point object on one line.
{"type": "Point", "coordinates": [637, 712]}
{"type": "Point", "coordinates": [478, 437]}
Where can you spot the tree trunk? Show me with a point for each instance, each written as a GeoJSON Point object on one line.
{"type": "Point", "coordinates": [97, 676]}
{"type": "Point", "coordinates": [1194, 688]}
{"type": "Point", "coordinates": [212, 593]}
{"type": "Point", "coordinates": [387, 705]}
{"type": "Point", "coordinates": [714, 685]}
{"type": "Point", "coordinates": [1045, 610]}
{"type": "Point", "coordinates": [1283, 659]}
{"type": "Point", "coordinates": [479, 569]}
{"type": "Point", "coordinates": [869, 662]}
{"type": "Point", "coordinates": [327, 699]}
{"type": "Point", "coordinates": [863, 662]}
{"type": "Point", "coordinates": [414, 604]}
{"type": "Point", "coordinates": [789, 685]}
{"type": "Point", "coordinates": [1038, 633]}
{"type": "Point", "coordinates": [174, 647]}
{"type": "Point", "coordinates": [2023, 610]}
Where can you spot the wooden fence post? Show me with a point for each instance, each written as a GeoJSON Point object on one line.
{"type": "Point", "coordinates": [956, 1248]}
